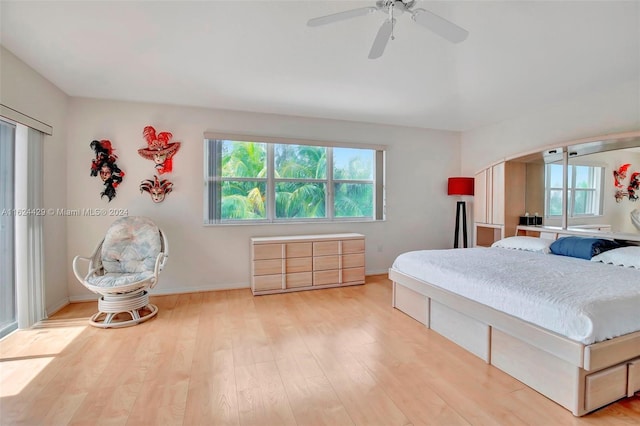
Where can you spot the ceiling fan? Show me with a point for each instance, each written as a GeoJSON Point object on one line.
{"type": "Point", "coordinates": [391, 8]}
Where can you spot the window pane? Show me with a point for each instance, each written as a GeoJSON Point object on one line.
{"type": "Point", "coordinates": [8, 318]}
{"type": "Point", "coordinates": [300, 161]}
{"type": "Point", "coordinates": [243, 200]}
{"type": "Point", "coordinates": [300, 200]}
{"type": "Point", "coordinates": [584, 177]}
{"type": "Point", "coordinates": [555, 176]}
{"type": "Point", "coordinates": [586, 202]}
{"type": "Point", "coordinates": [555, 202]}
{"type": "Point", "coordinates": [353, 164]}
{"type": "Point", "coordinates": [584, 192]}
{"type": "Point", "coordinates": [580, 203]}
{"type": "Point", "coordinates": [244, 159]}
{"type": "Point", "coordinates": [353, 200]}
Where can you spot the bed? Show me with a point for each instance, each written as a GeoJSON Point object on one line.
{"type": "Point", "coordinates": [567, 327]}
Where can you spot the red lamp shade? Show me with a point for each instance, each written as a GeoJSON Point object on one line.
{"type": "Point", "coordinates": [460, 186]}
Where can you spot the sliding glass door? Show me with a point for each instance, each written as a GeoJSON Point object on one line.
{"type": "Point", "coordinates": [8, 314]}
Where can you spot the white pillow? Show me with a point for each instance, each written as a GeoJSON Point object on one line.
{"type": "Point", "coordinates": [623, 256]}
{"type": "Point", "coordinates": [539, 245]}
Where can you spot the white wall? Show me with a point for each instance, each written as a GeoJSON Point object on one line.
{"type": "Point", "coordinates": [26, 91]}
{"type": "Point", "coordinates": [419, 214]}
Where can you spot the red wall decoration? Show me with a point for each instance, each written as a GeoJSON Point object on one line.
{"type": "Point", "coordinates": [632, 190]}
{"type": "Point", "coordinates": [160, 150]}
{"type": "Point", "coordinates": [156, 188]}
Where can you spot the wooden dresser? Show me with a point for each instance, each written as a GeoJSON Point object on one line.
{"type": "Point", "coordinates": [306, 262]}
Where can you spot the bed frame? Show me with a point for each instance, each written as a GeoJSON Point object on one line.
{"type": "Point", "coordinates": [579, 377]}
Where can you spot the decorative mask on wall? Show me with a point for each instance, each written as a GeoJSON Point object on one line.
{"type": "Point", "coordinates": [632, 191]}
{"type": "Point", "coordinates": [105, 165]}
{"type": "Point", "coordinates": [156, 188]}
{"type": "Point", "coordinates": [159, 149]}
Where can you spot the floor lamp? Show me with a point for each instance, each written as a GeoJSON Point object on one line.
{"type": "Point", "coordinates": [460, 186]}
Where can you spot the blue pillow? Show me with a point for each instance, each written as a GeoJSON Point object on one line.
{"type": "Point", "coordinates": [581, 247]}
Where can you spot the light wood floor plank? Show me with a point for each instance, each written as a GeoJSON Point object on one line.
{"type": "Point", "coordinates": [334, 357]}
{"type": "Point", "coordinates": [312, 398]}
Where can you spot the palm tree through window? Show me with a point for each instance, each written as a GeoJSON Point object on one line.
{"type": "Point", "coordinates": [249, 181]}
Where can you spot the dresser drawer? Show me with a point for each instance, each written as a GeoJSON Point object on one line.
{"type": "Point", "coordinates": [352, 260]}
{"type": "Point", "coordinates": [267, 267]}
{"type": "Point", "coordinates": [267, 251]}
{"type": "Point", "coordinates": [267, 282]}
{"type": "Point", "coordinates": [351, 275]}
{"type": "Point", "coordinates": [325, 248]}
{"type": "Point", "coordinates": [299, 279]}
{"type": "Point", "coordinates": [299, 249]}
{"type": "Point", "coordinates": [326, 277]}
{"type": "Point", "coordinates": [352, 246]}
{"type": "Point", "coordinates": [323, 263]}
{"type": "Point", "coordinates": [298, 264]}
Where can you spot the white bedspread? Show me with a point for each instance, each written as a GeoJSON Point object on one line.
{"type": "Point", "coordinates": [585, 301]}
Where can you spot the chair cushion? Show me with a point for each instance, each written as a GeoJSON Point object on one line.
{"type": "Point", "coordinates": [131, 245]}
{"type": "Point", "coordinates": [114, 279]}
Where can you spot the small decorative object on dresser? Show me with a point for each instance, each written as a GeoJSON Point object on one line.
{"type": "Point", "coordinates": [306, 262]}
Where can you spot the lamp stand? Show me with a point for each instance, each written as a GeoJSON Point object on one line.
{"type": "Point", "coordinates": [461, 208]}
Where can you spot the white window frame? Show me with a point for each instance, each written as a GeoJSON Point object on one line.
{"type": "Point", "coordinates": [597, 190]}
{"type": "Point", "coordinates": [212, 180]}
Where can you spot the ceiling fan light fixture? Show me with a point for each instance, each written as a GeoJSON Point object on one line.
{"type": "Point", "coordinates": [401, 5]}
{"type": "Point", "coordinates": [435, 23]}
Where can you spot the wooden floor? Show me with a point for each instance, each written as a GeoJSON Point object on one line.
{"type": "Point", "coordinates": [327, 357]}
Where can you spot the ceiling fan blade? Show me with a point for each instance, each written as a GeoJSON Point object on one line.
{"type": "Point", "coordinates": [340, 16]}
{"type": "Point", "coordinates": [440, 26]}
{"type": "Point", "coordinates": [384, 33]}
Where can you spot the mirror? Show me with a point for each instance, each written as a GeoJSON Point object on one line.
{"type": "Point", "coordinates": [591, 195]}
{"type": "Point", "coordinates": [599, 207]}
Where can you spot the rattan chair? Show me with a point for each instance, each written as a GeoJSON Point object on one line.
{"type": "Point", "coordinates": [123, 267]}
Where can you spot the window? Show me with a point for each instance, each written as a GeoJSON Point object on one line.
{"type": "Point", "coordinates": [21, 220]}
{"type": "Point", "coordinates": [283, 181]}
{"type": "Point", "coordinates": [584, 190]}
{"type": "Point", "coordinates": [8, 314]}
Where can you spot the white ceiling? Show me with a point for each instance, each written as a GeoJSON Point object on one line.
{"type": "Point", "coordinates": [260, 56]}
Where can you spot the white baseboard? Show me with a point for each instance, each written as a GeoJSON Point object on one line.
{"type": "Point", "coordinates": [182, 290]}
{"type": "Point", "coordinates": [377, 272]}
{"type": "Point", "coordinates": [50, 310]}
{"type": "Point", "coordinates": [83, 298]}
{"type": "Point", "coordinates": [169, 291]}
{"type": "Point", "coordinates": [211, 287]}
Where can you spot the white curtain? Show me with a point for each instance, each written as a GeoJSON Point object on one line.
{"type": "Point", "coordinates": [28, 226]}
